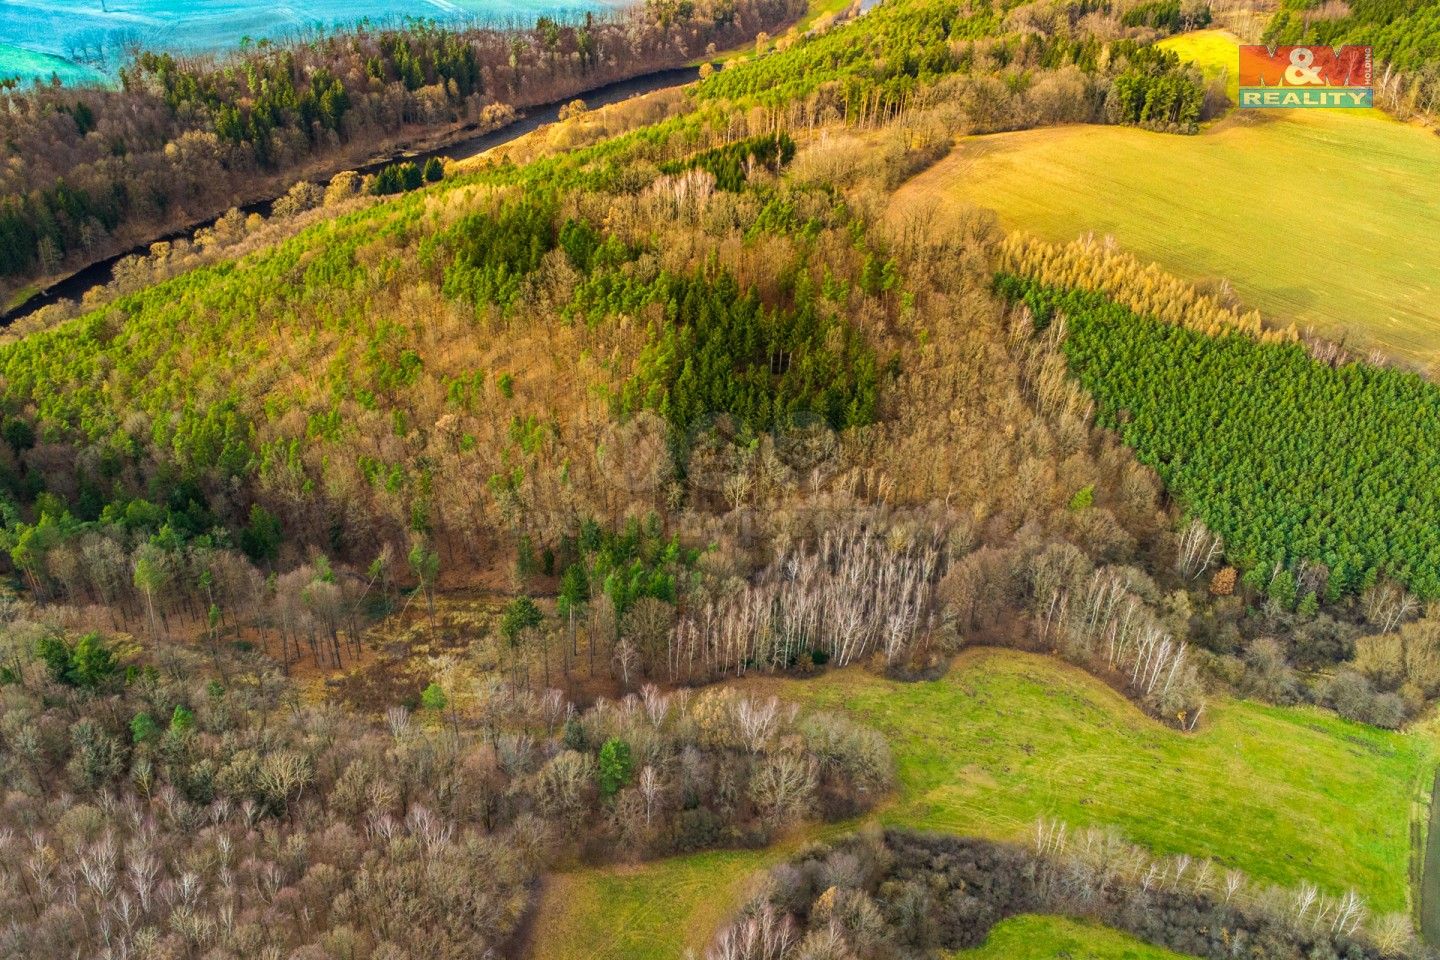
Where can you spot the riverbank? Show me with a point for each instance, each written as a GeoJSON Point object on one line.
{"type": "Point", "coordinates": [457, 144]}
{"type": "Point", "coordinates": [454, 144]}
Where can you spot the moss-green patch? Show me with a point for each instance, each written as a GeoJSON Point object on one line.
{"type": "Point", "coordinates": [1032, 937]}
{"type": "Point", "coordinates": [24, 293]}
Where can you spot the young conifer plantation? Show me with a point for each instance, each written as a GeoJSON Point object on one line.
{"type": "Point", "coordinates": [585, 548]}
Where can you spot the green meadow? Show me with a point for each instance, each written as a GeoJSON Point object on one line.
{"type": "Point", "coordinates": [1327, 218]}
{"type": "Point", "coordinates": [1047, 938]}
{"type": "Point", "coordinates": [1004, 738]}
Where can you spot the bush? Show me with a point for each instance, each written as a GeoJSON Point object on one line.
{"type": "Point", "coordinates": [1349, 694]}
{"type": "Point", "coordinates": [1388, 711]}
{"type": "Point", "coordinates": [433, 698]}
{"type": "Point", "coordinates": [1322, 641]}
{"type": "Point", "coordinates": [1267, 674]}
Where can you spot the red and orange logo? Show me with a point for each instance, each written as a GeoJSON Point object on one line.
{"type": "Point", "coordinates": [1305, 76]}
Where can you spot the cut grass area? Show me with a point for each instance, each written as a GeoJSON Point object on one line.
{"type": "Point", "coordinates": [1031, 937]}
{"type": "Point", "coordinates": [1283, 794]}
{"type": "Point", "coordinates": [1326, 218]}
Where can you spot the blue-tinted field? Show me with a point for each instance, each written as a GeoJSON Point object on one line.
{"type": "Point", "coordinates": [27, 64]}
{"type": "Point", "coordinates": [86, 40]}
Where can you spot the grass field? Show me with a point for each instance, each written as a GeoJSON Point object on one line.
{"type": "Point", "coordinates": [653, 911]}
{"type": "Point", "coordinates": [1327, 218]}
{"type": "Point", "coordinates": [1285, 795]}
{"type": "Point", "coordinates": [1047, 938]}
{"type": "Point", "coordinates": [29, 65]}
{"type": "Point", "coordinates": [1213, 51]}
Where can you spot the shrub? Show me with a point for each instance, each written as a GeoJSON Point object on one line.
{"type": "Point", "coordinates": [182, 720]}
{"type": "Point", "coordinates": [1352, 696]}
{"type": "Point", "coordinates": [615, 766]}
{"type": "Point", "coordinates": [433, 698]}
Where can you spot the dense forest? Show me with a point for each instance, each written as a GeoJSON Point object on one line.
{"type": "Point", "coordinates": [736, 333]}
{"type": "Point", "coordinates": [225, 818]}
{"type": "Point", "coordinates": [92, 171]}
{"type": "Point", "coordinates": [1101, 74]}
{"type": "Point", "coordinates": [1276, 451]}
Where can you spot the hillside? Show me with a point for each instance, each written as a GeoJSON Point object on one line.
{"type": "Point", "coordinates": [1003, 739]}
{"type": "Point", "coordinates": [1218, 209]}
{"type": "Point", "coordinates": [696, 527]}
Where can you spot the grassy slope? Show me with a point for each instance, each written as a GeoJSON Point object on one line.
{"type": "Point", "coordinates": [29, 65]}
{"type": "Point", "coordinates": [1327, 218]}
{"type": "Point", "coordinates": [1004, 738]}
{"type": "Point", "coordinates": [816, 10]}
{"type": "Point", "coordinates": [1045, 938]}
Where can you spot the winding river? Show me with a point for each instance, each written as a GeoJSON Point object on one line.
{"type": "Point", "coordinates": [73, 287]}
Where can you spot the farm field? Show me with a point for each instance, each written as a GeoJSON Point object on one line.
{"type": "Point", "coordinates": [1005, 738]}
{"type": "Point", "coordinates": [1329, 219]}
{"type": "Point", "coordinates": [1032, 937]}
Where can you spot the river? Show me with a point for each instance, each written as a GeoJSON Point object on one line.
{"type": "Point", "coordinates": [74, 286]}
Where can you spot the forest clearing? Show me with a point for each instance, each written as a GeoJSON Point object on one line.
{"type": "Point", "coordinates": [1005, 738]}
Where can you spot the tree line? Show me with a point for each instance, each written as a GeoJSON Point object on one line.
{"type": "Point", "coordinates": [897, 893]}
{"type": "Point", "coordinates": [161, 804]}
